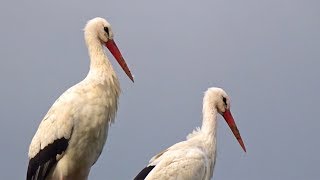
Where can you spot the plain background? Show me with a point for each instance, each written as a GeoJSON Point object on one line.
{"type": "Point", "coordinates": [265, 54]}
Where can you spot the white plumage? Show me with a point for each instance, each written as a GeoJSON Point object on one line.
{"type": "Point", "coordinates": [71, 136]}
{"type": "Point", "coordinates": [194, 159]}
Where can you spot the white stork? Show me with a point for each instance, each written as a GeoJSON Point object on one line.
{"type": "Point", "coordinates": [194, 158]}
{"type": "Point", "coordinates": [71, 136]}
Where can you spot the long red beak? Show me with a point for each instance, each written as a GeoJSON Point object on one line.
{"type": "Point", "coordinates": [229, 119]}
{"type": "Point", "coordinates": [111, 45]}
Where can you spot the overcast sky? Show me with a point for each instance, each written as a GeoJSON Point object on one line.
{"type": "Point", "coordinates": [265, 54]}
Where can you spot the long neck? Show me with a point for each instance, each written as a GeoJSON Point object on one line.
{"type": "Point", "coordinates": [208, 131]}
{"type": "Point", "coordinates": [98, 59]}
{"type": "Point", "coordinates": [100, 66]}
{"type": "Point", "coordinates": [209, 122]}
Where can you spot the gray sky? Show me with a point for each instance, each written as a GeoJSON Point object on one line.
{"type": "Point", "coordinates": [265, 54]}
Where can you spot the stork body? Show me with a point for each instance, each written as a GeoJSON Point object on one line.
{"type": "Point", "coordinates": [71, 136]}
{"type": "Point", "coordinates": [194, 158]}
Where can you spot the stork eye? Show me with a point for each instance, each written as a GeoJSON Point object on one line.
{"type": "Point", "coordinates": [106, 29]}
{"type": "Point", "coordinates": [224, 100]}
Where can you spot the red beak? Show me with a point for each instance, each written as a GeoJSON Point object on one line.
{"type": "Point", "coordinates": [229, 119]}
{"type": "Point", "coordinates": [111, 45]}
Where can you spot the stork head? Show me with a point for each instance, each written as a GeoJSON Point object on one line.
{"type": "Point", "coordinates": [221, 101]}
{"type": "Point", "coordinates": [99, 28]}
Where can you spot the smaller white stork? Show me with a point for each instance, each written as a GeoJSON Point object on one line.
{"type": "Point", "coordinates": [71, 136]}
{"type": "Point", "coordinates": [194, 159]}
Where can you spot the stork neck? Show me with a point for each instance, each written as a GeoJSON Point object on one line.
{"type": "Point", "coordinates": [99, 63]}
{"type": "Point", "coordinates": [98, 58]}
{"type": "Point", "coordinates": [101, 70]}
{"type": "Point", "coordinates": [209, 129]}
{"type": "Point", "coordinates": [209, 121]}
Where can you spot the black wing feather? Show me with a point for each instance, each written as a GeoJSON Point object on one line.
{"type": "Point", "coordinates": [40, 165]}
{"type": "Point", "coordinates": [144, 173]}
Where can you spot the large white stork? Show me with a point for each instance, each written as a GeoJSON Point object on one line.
{"type": "Point", "coordinates": [71, 136]}
{"type": "Point", "coordinates": [194, 159]}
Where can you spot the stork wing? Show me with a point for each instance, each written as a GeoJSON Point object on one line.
{"type": "Point", "coordinates": [40, 165]}
{"type": "Point", "coordinates": [50, 141]}
{"type": "Point", "coordinates": [144, 173]}
{"type": "Point", "coordinates": [177, 162]}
